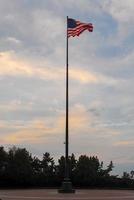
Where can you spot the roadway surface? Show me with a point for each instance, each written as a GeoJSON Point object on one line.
{"type": "Point", "coordinates": [52, 194]}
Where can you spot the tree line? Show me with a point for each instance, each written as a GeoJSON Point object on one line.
{"type": "Point", "coordinates": [18, 168]}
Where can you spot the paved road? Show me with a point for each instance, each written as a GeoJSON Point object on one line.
{"type": "Point", "coordinates": [43, 194]}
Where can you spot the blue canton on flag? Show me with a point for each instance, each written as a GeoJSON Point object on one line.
{"type": "Point", "coordinates": [75, 28]}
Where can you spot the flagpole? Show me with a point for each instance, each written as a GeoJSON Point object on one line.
{"type": "Point", "coordinates": [67, 112]}
{"type": "Point", "coordinates": [74, 28]}
{"type": "Point", "coordinates": [67, 184]}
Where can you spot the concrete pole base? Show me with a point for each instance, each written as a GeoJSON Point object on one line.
{"type": "Point", "coordinates": [66, 187]}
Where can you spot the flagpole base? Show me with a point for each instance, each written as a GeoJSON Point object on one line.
{"type": "Point", "coordinates": [66, 187]}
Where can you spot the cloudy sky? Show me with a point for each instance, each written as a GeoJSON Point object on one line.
{"type": "Point", "coordinates": [32, 78]}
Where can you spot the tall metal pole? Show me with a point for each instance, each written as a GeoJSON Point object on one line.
{"type": "Point", "coordinates": [66, 184]}
{"type": "Point", "coordinates": [67, 111]}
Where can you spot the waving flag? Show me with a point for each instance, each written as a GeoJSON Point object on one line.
{"type": "Point", "coordinates": [75, 28]}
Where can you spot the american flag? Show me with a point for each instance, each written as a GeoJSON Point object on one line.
{"type": "Point", "coordinates": [75, 28]}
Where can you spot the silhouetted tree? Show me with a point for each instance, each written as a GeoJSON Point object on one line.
{"type": "Point", "coordinates": [60, 168]}
{"type": "Point", "coordinates": [132, 174]}
{"type": "Point", "coordinates": [126, 175]}
{"type": "Point", "coordinates": [19, 169]}
{"type": "Point", "coordinates": [48, 169]}
{"type": "Point", "coordinates": [72, 166]}
{"type": "Point", "coordinates": [109, 167]}
{"type": "Point", "coordinates": [105, 172]}
{"type": "Point", "coordinates": [3, 165]}
{"type": "Point", "coordinates": [3, 160]}
{"type": "Point", "coordinates": [36, 165]}
{"type": "Point", "coordinates": [87, 170]}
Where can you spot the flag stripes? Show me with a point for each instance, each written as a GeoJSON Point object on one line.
{"type": "Point", "coordinates": [75, 28]}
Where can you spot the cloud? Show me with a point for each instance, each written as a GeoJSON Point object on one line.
{"type": "Point", "coordinates": [16, 105]}
{"type": "Point", "coordinates": [126, 143]}
{"type": "Point", "coordinates": [123, 13]}
{"type": "Point", "coordinates": [38, 130]}
{"type": "Point", "coordinates": [86, 77]}
{"type": "Point", "coordinates": [34, 132]}
{"type": "Point", "coordinates": [10, 65]}
{"type": "Point", "coordinates": [13, 40]}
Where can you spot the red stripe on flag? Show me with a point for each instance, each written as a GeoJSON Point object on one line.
{"type": "Point", "coordinates": [80, 28]}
